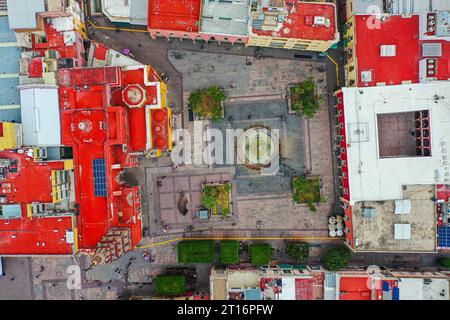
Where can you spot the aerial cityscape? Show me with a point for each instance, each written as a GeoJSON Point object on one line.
{"type": "Point", "coordinates": [227, 150]}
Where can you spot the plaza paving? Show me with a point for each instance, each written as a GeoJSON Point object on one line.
{"type": "Point", "coordinates": [169, 188]}
{"type": "Point", "coordinates": [264, 77]}
{"type": "Point", "coordinates": [273, 115]}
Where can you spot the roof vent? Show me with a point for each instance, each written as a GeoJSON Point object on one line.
{"type": "Point", "coordinates": [432, 49]}
{"type": "Point", "coordinates": [388, 50]}
{"type": "Point", "coordinates": [366, 76]}
{"type": "Point", "coordinates": [369, 213]}
{"type": "Point", "coordinates": [402, 231]}
{"type": "Point", "coordinates": [403, 206]}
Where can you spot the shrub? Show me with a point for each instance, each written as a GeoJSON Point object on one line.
{"type": "Point", "coordinates": [229, 252]}
{"type": "Point", "coordinates": [207, 103]}
{"type": "Point", "coordinates": [307, 191]}
{"type": "Point", "coordinates": [299, 251]}
{"type": "Point", "coordinates": [337, 258]}
{"type": "Point", "coordinates": [202, 251]}
{"type": "Point", "coordinates": [209, 197]}
{"type": "Point", "coordinates": [304, 98]}
{"type": "Point", "coordinates": [444, 262]}
{"type": "Point", "coordinates": [260, 254]}
{"type": "Point", "coordinates": [170, 285]}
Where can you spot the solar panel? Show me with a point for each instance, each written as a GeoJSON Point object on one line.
{"type": "Point", "coordinates": [99, 177]}
{"type": "Point", "coordinates": [444, 236]}
{"type": "Point", "coordinates": [395, 293]}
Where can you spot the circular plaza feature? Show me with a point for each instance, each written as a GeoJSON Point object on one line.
{"type": "Point", "coordinates": [256, 147]}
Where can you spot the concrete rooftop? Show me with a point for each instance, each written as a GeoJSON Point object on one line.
{"type": "Point", "coordinates": [377, 233]}
{"type": "Point", "coordinates": [229, 18]}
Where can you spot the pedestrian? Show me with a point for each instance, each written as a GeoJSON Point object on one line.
{"type": "Point", "coordinates": [12, 279]}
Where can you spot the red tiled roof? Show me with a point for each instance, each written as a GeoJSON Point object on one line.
{"type": "Point", "coordinates": [177, 15]}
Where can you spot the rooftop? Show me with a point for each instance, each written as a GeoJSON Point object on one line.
{"type": "Point", "coordinates": [9, 69]}
{"type": "Point", "coordinates": [279, 18]}
{"type": "Point", "coordinates": [423, 289]}
{"type": "Point", "coordinates": [39, 108]}
{"type": "Point", "coordinates": [23, 13]}
{"type": "Point", "coordinates": [367, 169]}
{"type": "Point", "coordinates": [27, 182]}
{"type": "Point", "coordinates": [354, 288]}
{"type": "Point", "coordinates": [295, 19]}
{"type": "Point", "coordinates": [179, 15]}
{"type": "Point", "coordinates": [402, 65]}
{"type": "Point", "coordinates": [379, 231]}
{"type": "Point", "coordinates": [416, 6]}
{"type": "Point", "coordinates": [96, 132]}
{"type": "Point", "coordinates": [133, 12]}
{"type": "Point", "coordinates": [225, 17]}
{"type": "Point", "coordinates": [103, 109]}
{"type": "Point", "coordinates": [287, 288]}
{"type": "Point", "coordinates": [387, 57]}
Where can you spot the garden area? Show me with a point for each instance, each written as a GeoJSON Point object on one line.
{"type": "Point", "coordinates": [260, 254]}
{"type": "Point", "coordinates": [216, 198]}
{"type": "Point", "coordinates": [307, 190]}
{"type": "Point", "coordinates": [304, 99]}
{"type": "Point", "coordinates": [202, 251]}
{"type": "Point", "coordinates": [207, 103]}
{"type": "Point", "coordinates": [229, 252]}
{"type": "Point", "coordinates": [170, 285]}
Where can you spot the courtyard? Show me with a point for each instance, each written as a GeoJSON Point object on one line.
{"type": "Point", "coordinates": [256, 97]}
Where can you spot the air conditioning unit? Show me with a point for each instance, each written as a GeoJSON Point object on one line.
{"type": "Point", "coordinates": [321, 21]}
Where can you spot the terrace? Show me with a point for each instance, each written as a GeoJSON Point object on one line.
{"type": "Point", "coordinates": [405, 134]}
{"type": "Point", "coordinates": [230, 18]}
{"type": "Point", "coordinates": [294, 19]}
{"type": "Point", "coordinates": [385, 226]}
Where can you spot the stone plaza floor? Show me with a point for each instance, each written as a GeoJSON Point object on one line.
{"type": "Point", "coordinates": [275, 116]}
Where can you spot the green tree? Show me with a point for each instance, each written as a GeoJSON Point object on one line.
{"type": "Point", "coordinates": [337, 258]}
{"type": "Point", "coordinates": [304, 98]}
{"type": "Point", "coordinates": [444, 262]}
{"type": "Point", "coordinates": [307, 191]}
{"type": "Point", "coordinates": [209, 197]}
{"type": "Point", "coordinates": [208, 102]}
{"type": "Point", "coordinates": [299, 251]}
